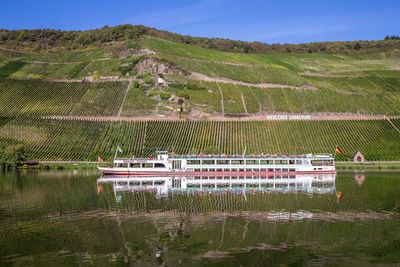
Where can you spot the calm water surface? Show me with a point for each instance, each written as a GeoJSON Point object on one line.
{"type": "Point", "coordinates": [77, 217]}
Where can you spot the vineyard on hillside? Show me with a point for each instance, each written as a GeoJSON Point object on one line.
{"type": "Point", "coordinates": [396, 122]}
{"type": "Point", "coordinates": [39, 98]}
{"type": "Point", "coordinates": [85, 140]}
{"type": "Point", "coordinates": [246, 73]}
{"type": "Point", "coordinates": [75, 56]}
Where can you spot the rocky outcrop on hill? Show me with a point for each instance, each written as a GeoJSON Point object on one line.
{"type": "Point", "coordinates": [156, 66]}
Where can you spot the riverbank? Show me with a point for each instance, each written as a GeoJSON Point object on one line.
{"type": "Point", "coordinates": [387, 165]}
{"type": "Point", "coordinates": [62, 165]}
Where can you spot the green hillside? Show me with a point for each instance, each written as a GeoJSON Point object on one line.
{"type": "Point", "coordinates": [45, 92]}
{"type": "Point", "coordinates": [200, 81]}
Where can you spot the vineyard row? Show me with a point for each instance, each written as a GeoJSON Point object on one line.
{"type": "Point", "coordinates": [52, 139]}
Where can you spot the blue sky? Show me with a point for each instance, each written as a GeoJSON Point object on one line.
{"type": "Point", "coordinates": [252, 20]}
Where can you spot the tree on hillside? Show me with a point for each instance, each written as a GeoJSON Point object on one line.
{"type": "Point", "coordinates": [357, 46]}
{"type": "Point", "coordinates": [12, 155]}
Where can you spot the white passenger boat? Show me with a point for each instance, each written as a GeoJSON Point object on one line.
{"type": "Point", "coordinates": [165, 164]}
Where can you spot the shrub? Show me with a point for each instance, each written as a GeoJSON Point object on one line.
{"type": "Point", "coordinates": [178, 86]}
{"type": "Point", "coordinates": [195, 87]}
{"type": "Point", "coordinates": [146, 75]}
{"type": "Point", "coordinates": [183, 94]}
{"type": "Point", "coordinates": [153, 94]}
{"type": "Point", "coordinates": [133, 45]}
{"type": "Point", "coordinates": [149, 81]}
{"type": "Point", "coordinates": [165, 96]}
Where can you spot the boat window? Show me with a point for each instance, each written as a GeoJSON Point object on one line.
{"type": "Point", "coordinates": [263, 170]}
{"type": "Point", "coordinates": [252, 162]}
{"type": "Point", "coordinates": [267, 162]}
{"type": "Point", "coordinates": [212, 170]}
{"type": "Point", "coordinates": [208, 162]}
{"type": "Point", "coordinates": [222, 162]}
{"type": "Point", "coordinates": [281, 162]}
{"type": "Point", "coordinates": [277, 170]}
{"type": "Point", "coordinates": [134, 165]}
{"type": "Point", "coordinates": [306, 162]}
{"type": "Point", "coordinates": [237, 162]}
{"type": "Point", "coordinates": [256, 170]}
{"type": "Point", "coordinates": [291, 162]}
{"type": "Point", "coordinates": [159, 165]}
{"type": "Point", "coordinates": [196, 170]}
{"type": "Point", "coordinates": [270, 170]}
{"type": "Point", "coordinates": [292, 170]}
{"type": "Point", "coordinates": [298, 162]}
{"type": "Point", "coordinates": [284, 170]}
{"type": "Point", "coordinates": [322, 162]}
{"type": "Point", "coordinates": [219, 170]}
{"type": "Point", "coordinates": [147, 165]}
{"type": "Point", "coordinates": [193, 162]}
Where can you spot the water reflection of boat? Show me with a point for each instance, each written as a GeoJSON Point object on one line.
{"type": "Point", "coordinates": [162, 186]}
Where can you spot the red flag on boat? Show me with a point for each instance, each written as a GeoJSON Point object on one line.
{"type": "Point", "coordinates": [100, 159]}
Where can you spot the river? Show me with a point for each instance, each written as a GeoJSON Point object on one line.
{"type": "Point", "coordinates": [78, 218]}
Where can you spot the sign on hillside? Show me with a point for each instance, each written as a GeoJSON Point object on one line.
{"type": "Point", "coordinates": [288, 117]}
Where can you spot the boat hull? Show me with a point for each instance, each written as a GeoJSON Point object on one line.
{"type": "Point", "coordinates": [125, 172]}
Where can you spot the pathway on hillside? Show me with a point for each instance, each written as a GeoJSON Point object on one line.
{"type": "Point", "coordinates": [318, 74]}
{"type": "Point", "coordinates": [256, 117]}
{"type": "Point", "coordinates": [287, 101]}
{"type": "Point", "coordinates": [244, 104]}
{"type": "Point", "coordinates": [213, 61]}
{"type": "Point", "coordinates": [394, 126]}
{"type": "Point", "coordinates": [222, 99]}
{"type": "Point", "coordinates": [202, 77]}
{"type": "Point", "coordinates": [123, 100]}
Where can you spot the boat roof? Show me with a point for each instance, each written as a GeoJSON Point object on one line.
{"type": "Point", "coordinates": [228, 157]}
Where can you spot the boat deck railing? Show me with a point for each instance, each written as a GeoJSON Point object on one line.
{"type": "Point", "coordinates": [239, 156]}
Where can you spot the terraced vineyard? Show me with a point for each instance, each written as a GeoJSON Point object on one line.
{"type": "Point", "coordinates": [322, 83]}
{"type": "Point", "coordinates": [85, 140]}
{"type": "Point", "coordinates": [38, 98]}
{"type": "Point", "coordinates": [76, 56]}
{"type": "Point", "coordinates": [396, 122]}
{"type": "Point", "coordinates": [101, 99]}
